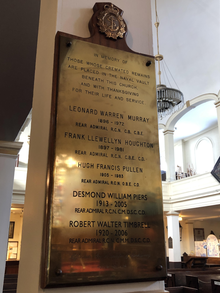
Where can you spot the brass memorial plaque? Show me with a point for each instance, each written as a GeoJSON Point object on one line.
{"type": "Point", "coordinates": [105, 204]}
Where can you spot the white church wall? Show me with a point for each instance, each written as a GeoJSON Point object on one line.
{"type": "Point", "coordinates": [188, 244]}
{"type": "Point", "coordinates": [178, 150]}
{"type": "Point", "coordinates": [190, 146]}
{"type": "Point", "coordinates": [74, 15]}
{"type": "Point", "coordinates": [208, 226]}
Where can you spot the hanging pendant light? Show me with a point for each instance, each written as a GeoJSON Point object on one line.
{"type": "Point", "coordinates": [169, 100]}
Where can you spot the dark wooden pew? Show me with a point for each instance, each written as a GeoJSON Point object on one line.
{"type": "Point", "coordinates": [215, 286]}
{"type": "Point", "coordinates": [203, 282]}
{"type": "Point", "coordinates": [181, 289]}
{"type": "Point", "coordinates": [170, 280]}
{"type": "Point", "coordinates": [192, 281]}
{"type": "Point", "coordinates": [194, 262]}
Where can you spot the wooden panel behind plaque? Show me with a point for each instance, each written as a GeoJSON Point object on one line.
{"type": "Point", "coordinates": [104, 216]}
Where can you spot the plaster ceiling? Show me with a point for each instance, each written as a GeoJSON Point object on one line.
{"type": "Point", "coordinates": [195, 121]}
{"type": "Point", "coordinates": [201, 214]}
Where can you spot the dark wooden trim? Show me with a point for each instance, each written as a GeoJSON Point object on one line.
{"type": "Point", "coordinates": [11, 267]}
{"type": "Point", "coordinates": [175, 265]}
{"type": "Point", "coordinates": [213, 172]}
{"type": "Point", "coordinates": [11, 229]}
{"type": "Point", "coordinates": [202, 233]}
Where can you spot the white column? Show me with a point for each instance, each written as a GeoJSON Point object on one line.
{"type": "Point", "coordinates": [169, 155]}
{"type": "Point", "coordinates": [217, 105]}
{"type": "Point", "coordinates": [8, 156]}
{"type": "Point", "coordinates": [174, 235]}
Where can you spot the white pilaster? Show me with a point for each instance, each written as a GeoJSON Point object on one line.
{"type": "Point", "coordinates": [173, 232]}
{"type": "Point", "coordinates": [217, 105]}
{"type": "Point", "coordinates": [169, 155]}
{"type": "Point", "coordinates": [8, 156]}
{"type": "Point", "coordinates": [189, 238]}
{"type": "Point", "coordinates": [30, 258]}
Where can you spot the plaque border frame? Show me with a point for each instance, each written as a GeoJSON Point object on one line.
{"type": "Point", "coordinates": [50, 178]}
{"type": "Point", "coordinates": [96, 38]}
{"type": "Point", "coordinates": [202, 230]}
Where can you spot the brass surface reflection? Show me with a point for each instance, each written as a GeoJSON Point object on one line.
{"type": "Point", "coordinates": [106, 208]}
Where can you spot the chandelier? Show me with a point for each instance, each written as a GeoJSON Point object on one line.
{"type": "Point", "coordinates": [169, 100]}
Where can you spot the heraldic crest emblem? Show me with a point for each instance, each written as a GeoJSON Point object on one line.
{"type": "Point", "coordinates": [111, 22]}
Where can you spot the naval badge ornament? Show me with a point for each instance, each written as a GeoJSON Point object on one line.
{"type": "Point", "coordinates": [110, 22]}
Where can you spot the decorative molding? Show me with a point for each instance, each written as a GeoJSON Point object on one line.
{"type": "Point", "coordinates": [17, 192]}
{"type": "Point", "coordinates": [191, 192]}
{"type": "Point", "coordinates": [7, 155]}
{"type": "Point", "coordinates": [168, 132]}
{"type": "Point", "coordinates": [161, 126]}
{"type": "Point", "coordinates": [10, 148]}
{"type": "Point", "coordinates": [217, 104]}
{"type": "Point", "coordinates": [18, 199]}
{"type": "Point", "coordinates": [172, 213]}
{"type": "Point", "coordinates": [189, 106]}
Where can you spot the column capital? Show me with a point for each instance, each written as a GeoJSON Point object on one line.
{"type": "Point", "coordinates": [10, 147]}
{"type": "Point", "coordinates": [172, 213]}
{"type": "Point", "coordinates": [217, 104]}
{"type": "Point", "coordinates": [168, 131]}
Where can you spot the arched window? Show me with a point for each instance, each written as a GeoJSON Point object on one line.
{"type": "Point", "coordinates": [204, 156]}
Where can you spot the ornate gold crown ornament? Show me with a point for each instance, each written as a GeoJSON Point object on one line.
{"type": "Point", "coordinates": [111, 22]}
